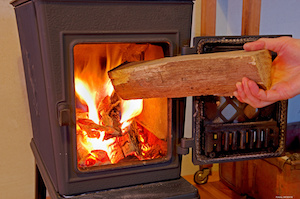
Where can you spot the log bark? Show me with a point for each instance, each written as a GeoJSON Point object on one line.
{"type": "Point", "coordinates": [191, 75]}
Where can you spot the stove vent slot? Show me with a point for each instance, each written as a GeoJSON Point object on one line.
{"type": "Point", "coordinates": [229, 139]}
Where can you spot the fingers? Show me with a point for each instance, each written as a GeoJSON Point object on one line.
{"type": "Point", "coordinates": [273, 44]}
{"type": "Point", "coordinates": [249, 92]}
{"type": "Point", "coordinates": [256, 45]}
{"type": "Point", "coordinates": [250, 97]}
{"type": "Point", "coordinates": [239, 94]}
{"type": "Point", "coordinates": [285, 69]}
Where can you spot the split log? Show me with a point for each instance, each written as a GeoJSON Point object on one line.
{"type": "Point", "coordinates": [191, 75]}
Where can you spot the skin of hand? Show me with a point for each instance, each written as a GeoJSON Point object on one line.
{"type": "Point", "coordinates": [285, 73]}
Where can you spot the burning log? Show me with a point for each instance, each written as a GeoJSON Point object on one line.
{"type": "Point", "coordinates": [115, 153]}
{"type": "Point", "coordinates": [129, 147]}
{"type": "Point", "coordinates": [101, 157]}
{"type": "Point", "coordinates": [92, 129]}
{"type": "Point", "coordinates": [109, 110]}
{"type": "Point", "coordinates": [191, 75]}
{"type": "Point", "coordinates": [80, 114]}
{"type": "Point", "coordinates": [96, 158]}
{"type": "Point", "coordinates": [151, 147]}
{"type": "Point", "coordinates": [143, 144]}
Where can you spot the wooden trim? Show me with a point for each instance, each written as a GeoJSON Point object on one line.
{"type": "Point", "coordinates": [208, 17]}
{"type": "Point", "coordinates": [251, 17]}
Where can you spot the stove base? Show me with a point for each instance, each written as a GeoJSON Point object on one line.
{"type": "Point", "coordinates": [178, 188]}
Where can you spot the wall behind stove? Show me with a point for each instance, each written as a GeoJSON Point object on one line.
{"type": "Point", "coordinates": [16, 159]}
{"type": "Point", "coordinates": [282, 17]}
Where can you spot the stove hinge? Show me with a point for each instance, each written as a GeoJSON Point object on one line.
{"type": "Point", "coordinates": [184, 145]}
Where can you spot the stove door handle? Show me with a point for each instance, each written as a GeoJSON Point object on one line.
{"type": "Point", "coordinates": [63, 114]}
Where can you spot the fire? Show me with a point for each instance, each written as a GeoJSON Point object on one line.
{"type": "Point", "coordinates": [104, 127]}
{"type": "Point", "coordinates": [88, 97]}
{"type": "Point", "coordinates": [99, 143]}
{"type": "Point", "coordinates": [109, 88]}
{"type": "Point", "coordinates": [130, 109]}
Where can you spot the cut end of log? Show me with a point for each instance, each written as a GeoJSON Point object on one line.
{"type": "Point", "coordinates": [191, 75]}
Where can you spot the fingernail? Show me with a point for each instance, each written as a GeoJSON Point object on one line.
{"type": "Point", "coordinates": [238, 85]}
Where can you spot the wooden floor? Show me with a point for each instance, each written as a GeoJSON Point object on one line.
{"type": "Point", "coordinates": [214, 188]}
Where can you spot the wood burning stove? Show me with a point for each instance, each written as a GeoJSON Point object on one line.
{"type": "Point", "coordinates": [82, 139]}
{"type": "Point", "coordinates": [85, 139]}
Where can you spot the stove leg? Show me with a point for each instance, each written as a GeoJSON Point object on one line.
{"type": "Point", "coordinates": [40, 188]}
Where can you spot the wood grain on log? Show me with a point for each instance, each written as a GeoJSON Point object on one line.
{"type": "Point", "coordinates": [191, 75]}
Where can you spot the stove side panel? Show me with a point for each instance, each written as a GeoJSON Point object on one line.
{"type": "Point", "coordinates": [35, 83]}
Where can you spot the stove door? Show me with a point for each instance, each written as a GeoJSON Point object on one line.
{"type": "Point", "coordinates": [225, 129]}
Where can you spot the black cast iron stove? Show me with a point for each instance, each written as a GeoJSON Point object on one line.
{"type": "Point", "coordinates": [67, 47]}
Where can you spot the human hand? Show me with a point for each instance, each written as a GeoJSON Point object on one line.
{"type": "Point", "coordinates": [285, 73]}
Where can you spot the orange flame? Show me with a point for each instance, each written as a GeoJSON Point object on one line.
{"type": "Point", "coordinates": [88, 97]}
{"type": "Point", "coordinates": [99, 143]}
{"type": "Point", "coordinates": [130, 109]}
{"type": "Point", "coordinates": [109, 88]}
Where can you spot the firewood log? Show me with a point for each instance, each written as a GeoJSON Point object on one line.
{"type": "Point", "coordinates": [191, 75]}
